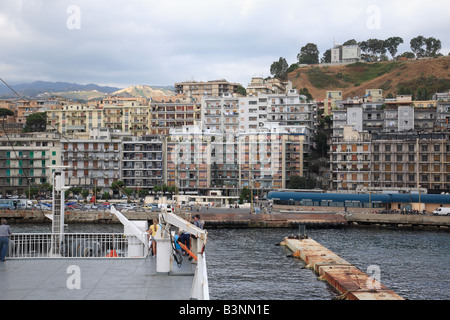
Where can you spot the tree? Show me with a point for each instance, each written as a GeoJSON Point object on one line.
{"type": "Point", "coordinates": [279, 68]}
{"type": "Point", "coordinates": [407, 55]}
{"type": "Point", "coordinates": [376, 47]}
{"type": "Point", "coordinates": [297, 182]}
{"type": "Point", "coordinates": [326, 57]}
{"type": "Point", "coordinates": [392, 44]}
{"type": "Point", "coordinates": [351, 42]}
{"type": "Point", "coordinates": [85, 194]}
{"type": "Point", "coordinates": [5, 112]}
{"type": "Point", "coordinates": [157, 189]}
{"type": "Point", "coordinates": [245, 195]}
{"type": "Point", "coordinates": [425, 47]}
{"type": "Point", "coordinates": [241, 90]}
{"type": "Point", "coordinates": [292, 67]}
{"type": "Point", "coordinates": [309, 54]}
{"type": "Point", "coordinates": [432, 46]}
{"type": "Point", "coordinates": [417, 45]}
{"type": "Point", "coordinates": [305, 92]}
{"type": "Point", "coordinates": [36, 122]}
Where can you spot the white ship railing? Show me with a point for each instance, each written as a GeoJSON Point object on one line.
{"type": "Point", "coordinates": [75, 245]}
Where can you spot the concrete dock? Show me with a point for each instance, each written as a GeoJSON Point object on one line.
{"type": "Point", "coordinates": [350, 282]}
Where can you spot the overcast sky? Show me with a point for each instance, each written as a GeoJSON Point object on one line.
{"type": "Point", "coordinates": [123, 43]}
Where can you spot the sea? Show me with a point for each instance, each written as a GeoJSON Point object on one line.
{"type": "Point", "coordinates": [250, 264]}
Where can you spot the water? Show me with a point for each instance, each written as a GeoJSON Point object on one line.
{"type": "Point", "coordinates": [246, 264]}
{"type": "Point", "coordinates": [414, 264]}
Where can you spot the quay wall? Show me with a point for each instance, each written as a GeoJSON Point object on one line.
{"type": "Point", "coordinates": [312, 219]}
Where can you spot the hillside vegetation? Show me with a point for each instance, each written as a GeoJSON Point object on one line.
{"type": "Point", "coordinates": [421, 78]}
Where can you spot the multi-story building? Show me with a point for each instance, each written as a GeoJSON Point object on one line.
{"type": "Point", "coordinates": [26, 160]}
{"type": "Point", "coordinates": [74, 118]}
{"type": "Point", "coordinates": [345, 54]}
{"type": "Point", "coordinates": [329, 102]}
{"type": "Point", "coordinates": [404, 144]}
{"type": "Point", "coordinates": [142, 162]}
{"type": "Point", "coordinates": [443, 111]}
{"type": "Point", "coordinates": [350, 160]}
{"type": "Point", "coordinates": [411, 160]}
{"type": "Point", "coordinates": [92, 160]}
{"type": "Point", "coordinates": [173, 112]}
{"type": "Point", "coordinates": [127, 116]}
{"type": "Point", "coordinates": [221, 113]}
{"type": "Point", "coordinates": [258, 86]}
{"type": "Point", "coordinates": [188, 158]}
{"type": "Point", "coordinates": [265, 158]}
{"type": "Point", "coordinates": [213, 88]}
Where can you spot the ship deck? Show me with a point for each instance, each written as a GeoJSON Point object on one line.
{"type": "Point", "coordinates": [98, 279]}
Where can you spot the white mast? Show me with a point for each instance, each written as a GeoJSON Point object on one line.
{"type": "Point", "coordinates": [58, 206]}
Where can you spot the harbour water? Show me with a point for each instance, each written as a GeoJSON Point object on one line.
{"type": "Point", "coordinates": [247, 264]}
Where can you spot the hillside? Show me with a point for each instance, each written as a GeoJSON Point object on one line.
{"type": "Point", "coordinates": [408, 76]}
{"type": "Point", "coordinates": [143, 91]}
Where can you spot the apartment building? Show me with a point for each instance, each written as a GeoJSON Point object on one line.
{"type": "Point", "coordinates": [73, 118]}
{"type": "Point", "coordinates": [404, 144]}
{"type": "Point", "coordinates": [173, 112]}
{"type": "Point", "coordinates": [26, 160]}
{"type": "Point", "coordinates": [259, 85]}
{"type": "Point", "coordinates": [124, 115]}
{"type": "Point", "coordinates": [127, 115]}
{"type": "Point", "coordinates": [221, 113]}
{"type": "Point", "coordinates": [265, 158]}
{"type": "Point", "coordinates": [269, 157]}
{"type": "Point", "coordinates": [213, 88]}
{"type": "Point", "coordinates": [329, 102]}
{"type": "Point", "coordinates": [350, 160]}
{"type": "Point", "coordinates": [142, 162]}
{"type": "Point", "coordinates": [411, 160]}
{"type": "Point", "coordinates": [92, 160]}
{"type": "Point", "coordinates": [188, 158]}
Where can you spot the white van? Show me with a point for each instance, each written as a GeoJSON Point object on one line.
{"type": "Point", "coordinates": [441, 212]}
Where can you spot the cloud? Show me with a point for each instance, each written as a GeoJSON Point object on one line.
{"type": "Point", "coordinates": [163, 42]}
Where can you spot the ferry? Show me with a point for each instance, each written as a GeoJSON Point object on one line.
{"type": "Point", "coordinates": [104, 266]}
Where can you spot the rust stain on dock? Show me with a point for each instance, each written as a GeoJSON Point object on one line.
{"type": "Point", "coordinates": [349, 281]}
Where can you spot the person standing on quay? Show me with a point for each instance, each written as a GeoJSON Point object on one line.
{"type": "Point", "coordinates": [5, 233]}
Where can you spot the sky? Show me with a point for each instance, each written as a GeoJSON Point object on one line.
{"type": "Point", "coordinates": [149, 42]}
